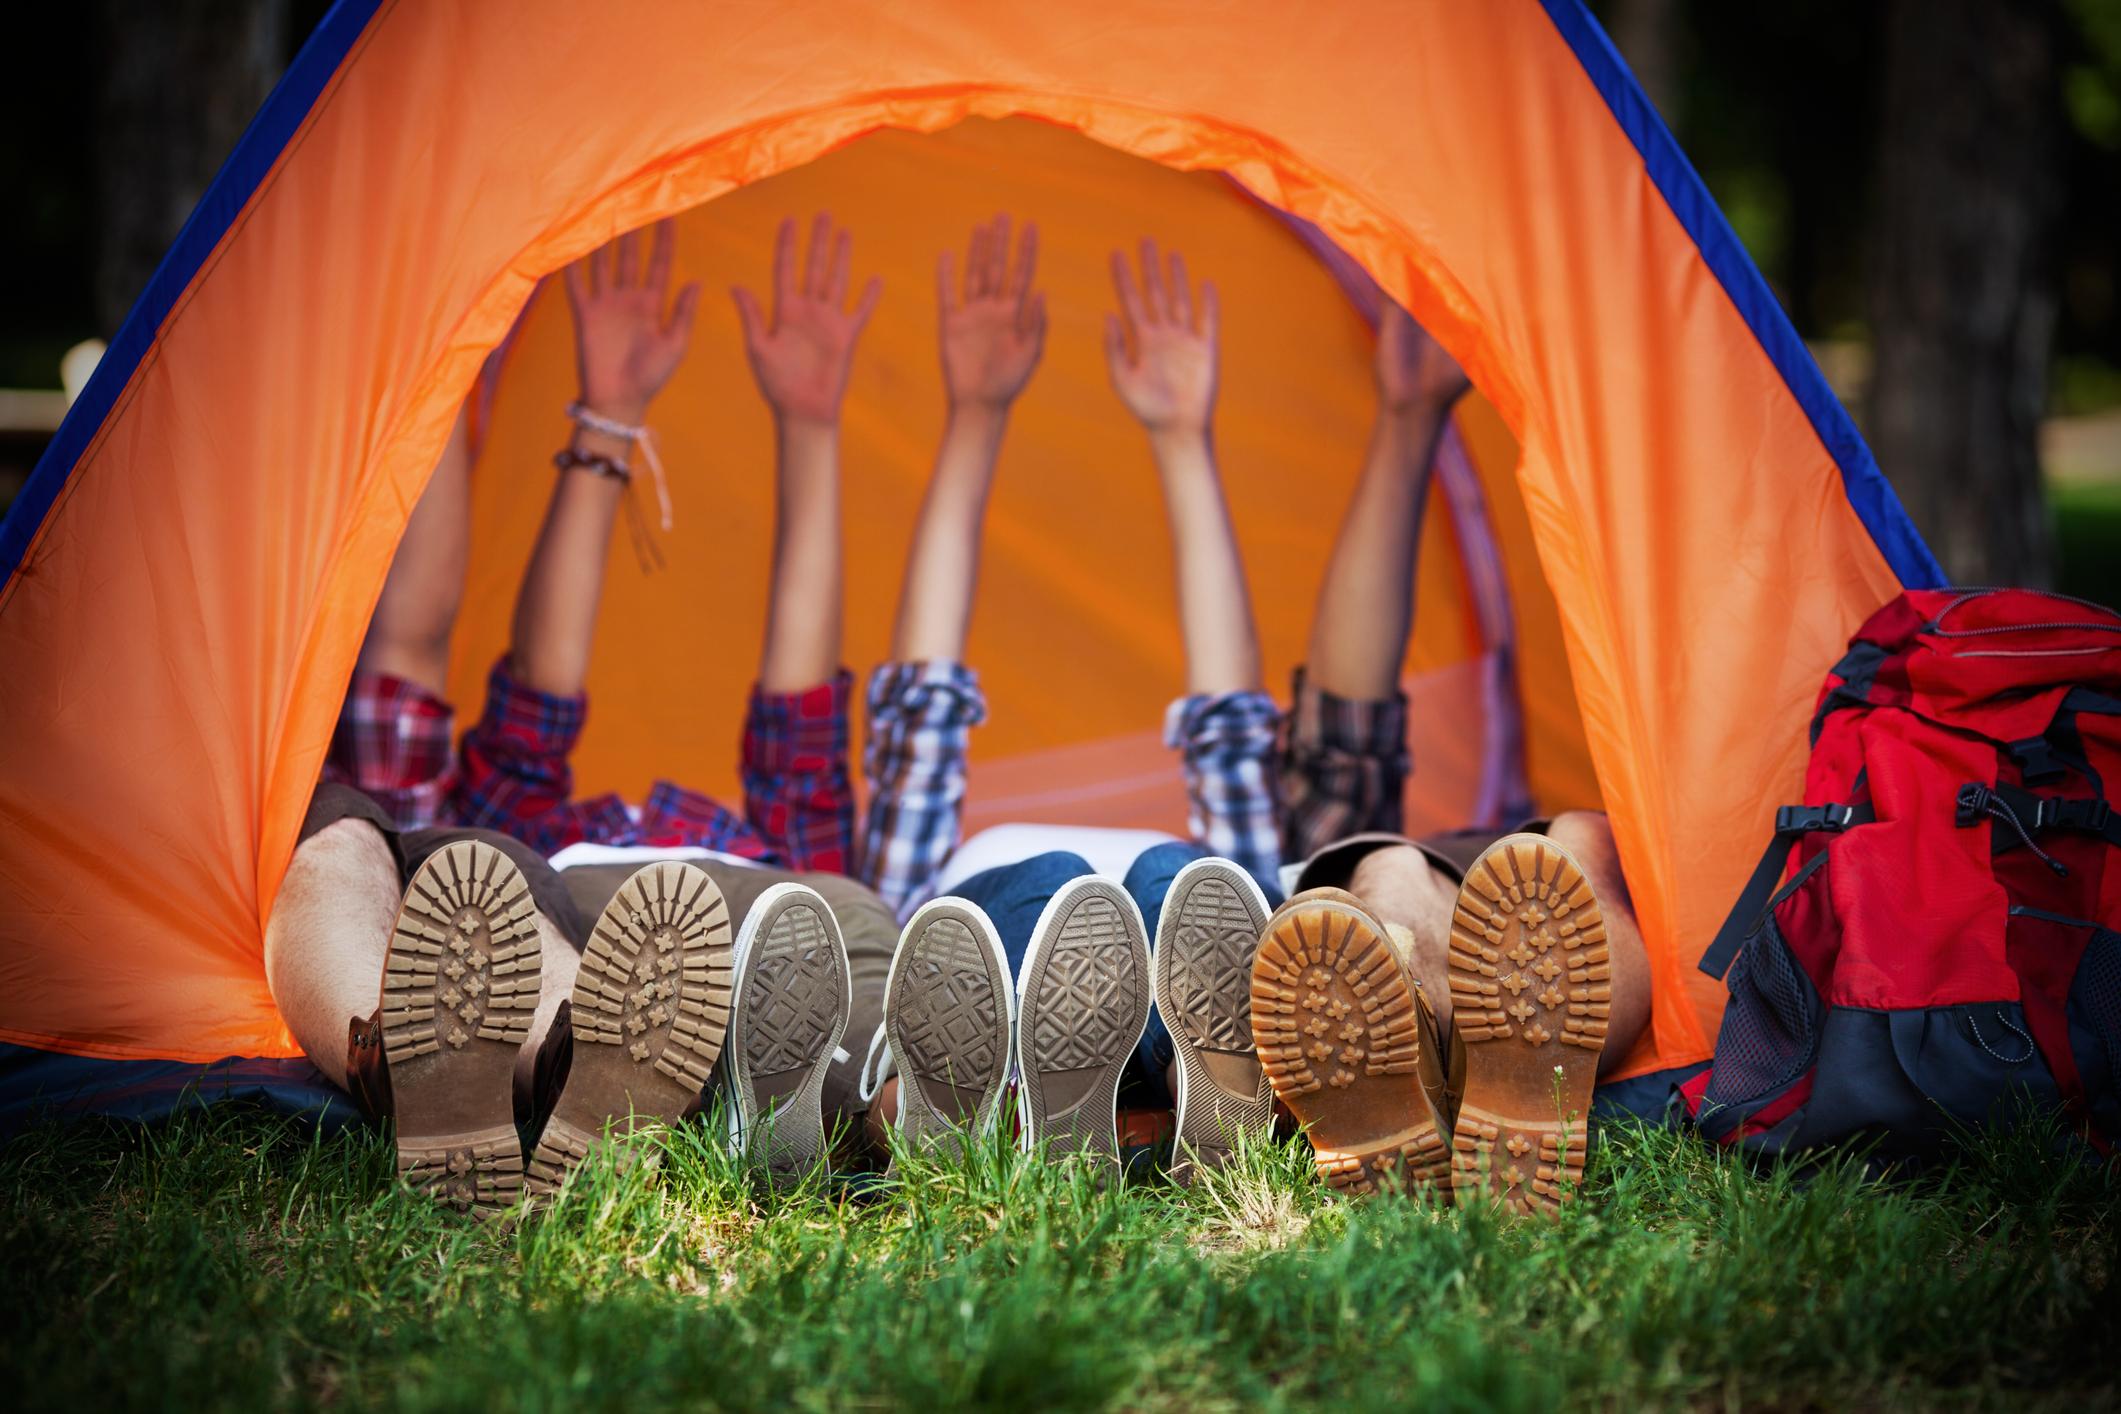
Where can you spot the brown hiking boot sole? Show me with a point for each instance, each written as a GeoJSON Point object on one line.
{"type": "Point", "coordinates": [1082, 1001]}
{"type": "Point", "coordinates": [948, 1018]}
{"type": "Point", "coordinates": [650, 1010]}
{"type": "Point", "coordinates": [460, 986]}
{"type": "Point", "coordinates": [792, 997]}
{"type": "Point", "coordinates": [1531, 985]}
{"type": "Point", "coordinates": [1334, 1017]}
{"type": "Point", "coordinates": [1202, 965]}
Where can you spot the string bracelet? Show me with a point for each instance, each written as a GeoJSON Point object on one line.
{"type": "Point", "coordinates": [628, 432]}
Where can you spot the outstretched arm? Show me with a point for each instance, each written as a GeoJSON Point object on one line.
{"type": "Point", "coordinates": [1161, 350]}
{"type": "Point", "coordinates": [1366, 602]}
{"type": "Point", "coordinates": [626, 348]}
{"type": "Point", "coordinates": [924, 704]}
{"type": "Point", "coordinates": [991, 333]}
{"type": "Point", "coordinates": [801, 355]}
{"type": "Point", "coordinates": [408, 637]}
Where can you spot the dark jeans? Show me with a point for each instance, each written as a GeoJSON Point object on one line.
{"type": "Point", "coordinates": [1013, 896]}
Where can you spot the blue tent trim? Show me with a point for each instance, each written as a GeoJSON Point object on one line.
{"type": "Point", "coordinates": [1869, 492]}
{"type": "Point", "coordinates": [38, 1087]}
{"type": "Point", "coordinates": [254, 155]}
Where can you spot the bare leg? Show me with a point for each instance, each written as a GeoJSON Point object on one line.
{"type": "Point", "coordinates": [1403, 888]}
{"type": "Point", "coordinates": [329, 934]}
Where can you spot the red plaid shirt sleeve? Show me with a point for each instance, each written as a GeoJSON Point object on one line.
{"type": "Point", "coordinates": [798, 796]}
{"type": "Point", "coordinates": [516, 776]}
{"type": "Point", "coordinates": [393, 742]}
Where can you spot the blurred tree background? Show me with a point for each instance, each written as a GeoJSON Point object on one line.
{"type": "Point", "coordinates": [1933, 188]}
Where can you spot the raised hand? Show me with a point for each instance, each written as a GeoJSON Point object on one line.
{"type": "Point", "coordinates": [802, 353]}
{"type": "Point", "coordinates": [1412, 368]}
{"type": "Point", "coordinates": [1161, 344]}
{"type": "Point", "coordinates": [625, 347]}
{"type": "Point", "coordinates": [993, 333]}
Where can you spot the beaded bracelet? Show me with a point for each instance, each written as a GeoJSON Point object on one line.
{"type": "Point", "coordinates": [586, 416]}
{"type": "Point", "coordinates": [569, 459]}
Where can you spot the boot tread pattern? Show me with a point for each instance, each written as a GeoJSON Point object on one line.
{"type": "Point", "coordinates": [464, 962]}
{"type": "Point", "coordinates": [655, 978]}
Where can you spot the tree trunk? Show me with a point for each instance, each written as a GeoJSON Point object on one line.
{"type": "Point", "coordinates": [181, 79]}
{"type": "Point", "coordinates": [1963, 278]}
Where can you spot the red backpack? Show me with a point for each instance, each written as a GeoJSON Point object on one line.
{"type": "Point", "coordinates": [1934, 937]}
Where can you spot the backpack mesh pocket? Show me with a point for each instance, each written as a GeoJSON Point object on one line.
{"type": "Point", "coordinates": [1771, 1027]}
{"type": "Point", "coordinates": [2095, 1007]}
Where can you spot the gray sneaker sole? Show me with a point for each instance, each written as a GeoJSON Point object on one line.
{"type": "Point", "coordinates": [1205, 945]}
{"type": "Point", "coordinates": [790, 1010]}
{"type": "Point", "coordinates": [947, 1017]}
{"type": "Point", "coordinates": [650, 1009]}
{"type": "Point", "coordinates": [460, 986]}
{"type": "Point", "coordinates": [1081, 1005]}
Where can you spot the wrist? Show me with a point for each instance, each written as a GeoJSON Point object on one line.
{"type": "Point", "coordinates": [1177, 441]}
{"type": "Point", "coordinates": [805, 425]}
{"type": "Point", "coordinates": [590, 442]}
{"type": "Point", "coordinates": [976, 415]}
{"type": "Point", "coordinates": [631, 411]}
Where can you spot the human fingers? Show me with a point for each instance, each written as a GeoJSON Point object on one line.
{"type": "Point", "coordinates": [661, 251]}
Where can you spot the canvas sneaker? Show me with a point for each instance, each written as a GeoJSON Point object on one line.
{"type": "Point", "coordinates": [949, 1023]}
{"type": "Point", "coordinates": [1082, 1003]}
{"type": "Point", "coordinates": [793, 994]}
{"type": "Point", "coordinates": [1202, 969]}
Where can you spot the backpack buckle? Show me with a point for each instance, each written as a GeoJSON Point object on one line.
{"type": "Point", "coordinates": [1804, 819]}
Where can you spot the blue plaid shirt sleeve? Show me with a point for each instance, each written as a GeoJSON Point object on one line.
{"type": "Point", "coordinates": [921, 716]}
{"type": "Point", "coordinates": [1227, 753]}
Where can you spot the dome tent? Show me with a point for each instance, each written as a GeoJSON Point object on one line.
{"type": "Point", "coordinates": [189, 571]}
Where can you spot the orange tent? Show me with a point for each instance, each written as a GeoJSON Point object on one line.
{"type": "Point", "coordinates": [1685, 525]}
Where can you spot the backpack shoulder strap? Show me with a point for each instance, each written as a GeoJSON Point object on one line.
{"type": "Point", "coordinates": [1792, 823]}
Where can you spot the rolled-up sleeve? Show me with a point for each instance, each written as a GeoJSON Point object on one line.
{"type": "Point", "coordinates": [921, 717]}
{"type": "Point", "coordinates": [1226, 743]}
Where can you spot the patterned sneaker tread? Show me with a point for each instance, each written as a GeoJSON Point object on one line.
{"type": "Point", "coordinates": [1339, 1036]}
{"type": "Point", "coordinates": [789, 1011]}
{"type": "Point", "coordinates": [948, 1019]}
{"type": "Point", "coordinates": [800, 977]}
{"type": "Point", "coordinates": [1207, 943]}
{"type": "Point", "coordinates": [1084, 1003]}
{"type": "Point", "coordinates": [1531, 992]}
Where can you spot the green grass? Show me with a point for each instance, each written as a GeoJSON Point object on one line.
{"type": "Point", "coordinates": [230, 1260]}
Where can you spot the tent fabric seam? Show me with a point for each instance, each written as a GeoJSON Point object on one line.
{"type": "Point", "coordinates": [1875, 502]}
{"type": "Point", "coordinates": [190, 256]}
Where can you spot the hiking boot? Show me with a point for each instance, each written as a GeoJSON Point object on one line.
{"type": "Point", "coordinates": [649, 1012]}
{"type": "Point", "coordinates": [460, 986]}
{"type": "Point", "coordinates": [1082, 1003]}
{"type": "Point", "coordinates": [1530, 988]}
{"type": "Point", "coordinates": [1205, 943]}
{"type": "Point", "coordinates": [792, 996]}
{"type": "Point", "coordinates": [1339, 1031]}
{"type": "Point", "coordinates": [949, 1019]}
